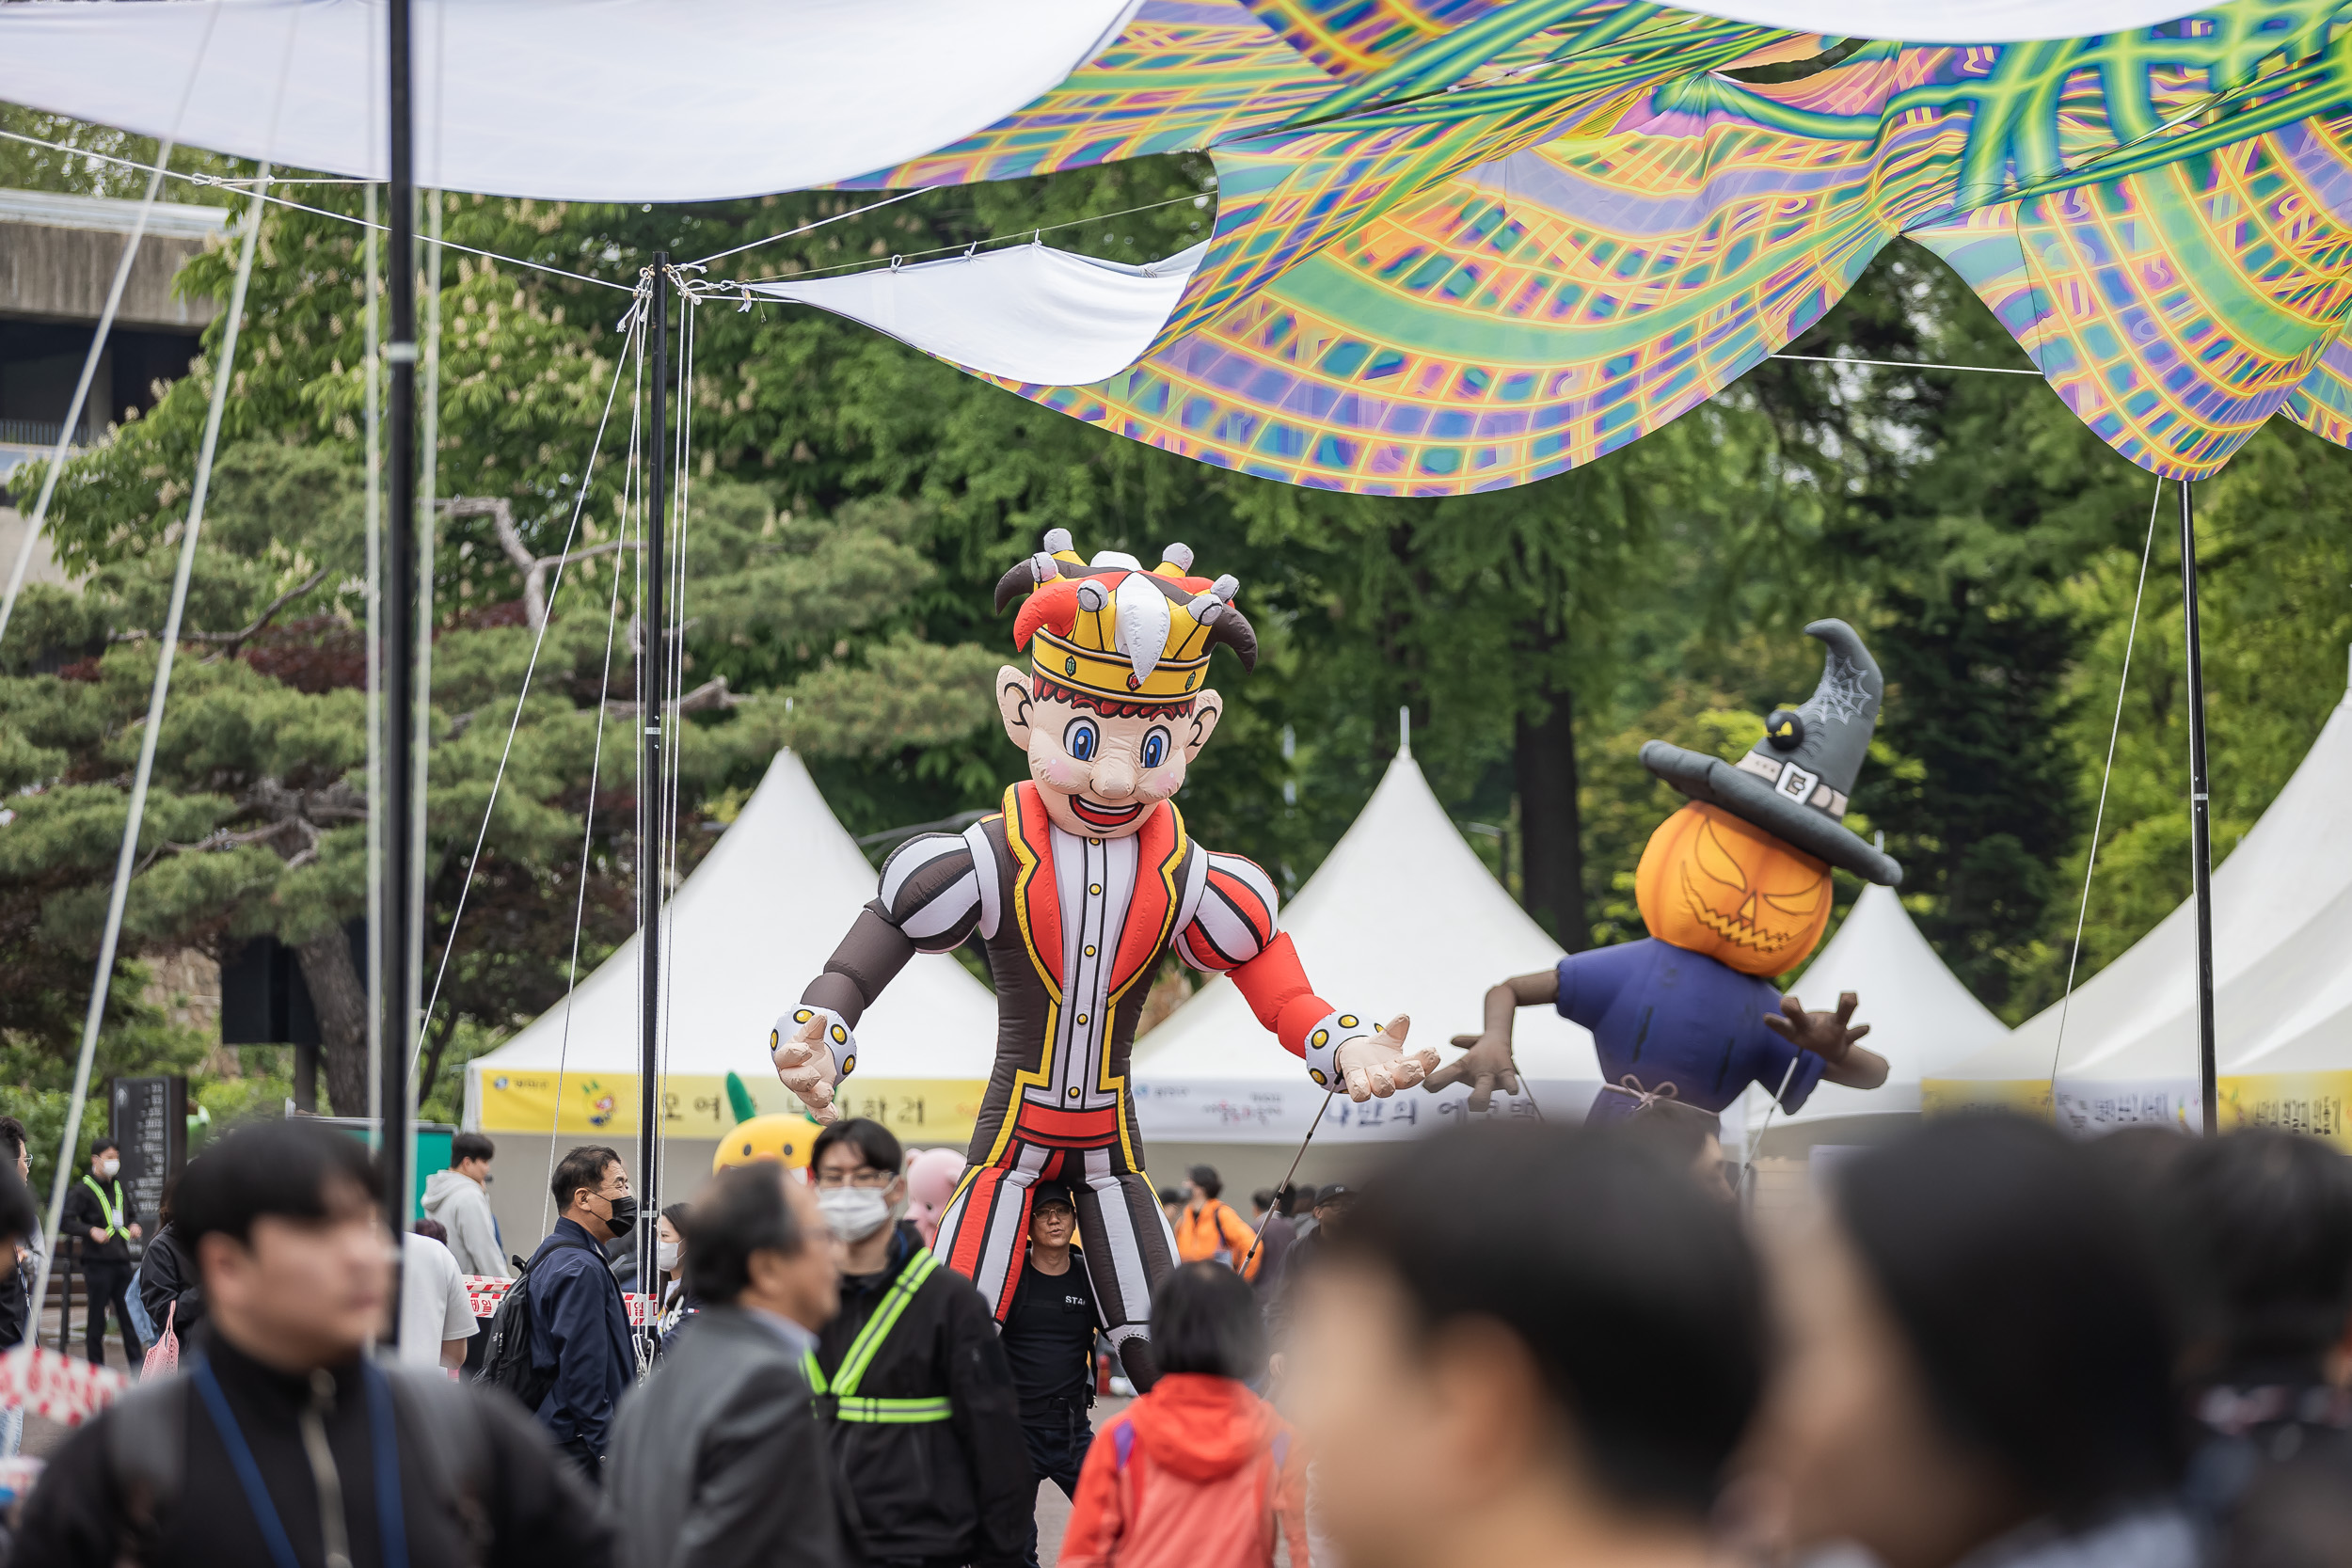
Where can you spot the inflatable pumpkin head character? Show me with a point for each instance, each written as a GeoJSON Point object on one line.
{"type": "Point", "coordinates": [1743, 873]}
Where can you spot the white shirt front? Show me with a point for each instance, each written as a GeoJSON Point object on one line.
{"type": "Point", "coordinates": [433, 1305]}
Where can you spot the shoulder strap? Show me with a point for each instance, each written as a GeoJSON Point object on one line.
{"type": "Point", "coordinates": [920, 1265]}
{"type": "Point", "coordinates": [146, 1443]}
{"type": "Point", "coordinates": [1122, 1440]}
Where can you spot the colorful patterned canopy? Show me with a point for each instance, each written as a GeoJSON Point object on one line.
{"type": "Point", "coordinates": [1462, 244]}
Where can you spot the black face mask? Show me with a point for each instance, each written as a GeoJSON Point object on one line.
{"type": "Point", "coordinates": [624, 1218]}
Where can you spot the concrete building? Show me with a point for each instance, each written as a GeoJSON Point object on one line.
{"type": "Point", "coordinates": [57, 259]}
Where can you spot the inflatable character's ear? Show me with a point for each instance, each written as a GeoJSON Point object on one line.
{"type": "Point", "coordinates": [1013, 700]}
{"type": "Point", "coordinates": [740, 1100]}
{"type": "Point", "coordinates": [1207, 709]}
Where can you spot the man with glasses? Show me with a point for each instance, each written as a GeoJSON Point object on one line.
{"type": "Point", "coordinates": [930, 1464]}
{"type": "Point", "coordinates": [579, 1322]}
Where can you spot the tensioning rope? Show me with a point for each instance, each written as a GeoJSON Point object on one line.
{"type": "Point", "coordinates": [207, 180]}
{"type": "Point", "coordinates": [128, 856]}
{"type": "Point", "coordinates": [506, 751]}
{"type": "Point", "coordinates": [2123, 685]}
{"type": "Point", "coordinates": [633, 343]}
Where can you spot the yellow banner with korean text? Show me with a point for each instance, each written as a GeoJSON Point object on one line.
{"type": "Point", "coordinates": [2312, 1102]}
{"type": "Point", "coordinates": [2028, 1096]}
{"type": "Point", "coordinates": [921, 1111]}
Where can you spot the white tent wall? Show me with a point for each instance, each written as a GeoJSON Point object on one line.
{"type": "Point", "coordinates": [1401, 918]}
{"type": "Point", "coordinates": [753, 924]}
{"type": "Point", "coordinates": [1922, 1020]}
{"type": "Point", "coordinates": [2280, 942]}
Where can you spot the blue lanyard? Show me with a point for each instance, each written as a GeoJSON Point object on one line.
{"type": "Point", "coordinates": [382, 1439]}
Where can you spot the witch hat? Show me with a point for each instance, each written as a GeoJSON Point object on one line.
{"type": "Point", "coordinates": [1794, 783]}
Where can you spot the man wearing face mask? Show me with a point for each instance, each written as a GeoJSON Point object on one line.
{"type": "Point", "coordinates": [579, 1324]}
{"type": "Point", "coordinates": [101, 1216]}
{"type": "Point", "coordinates": [926, 1426]}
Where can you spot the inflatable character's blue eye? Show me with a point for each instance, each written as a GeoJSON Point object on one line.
{"type": "Point", "coordinates": [1080, 739]}
{"type": "Point", "coordinates": [1154, 748]}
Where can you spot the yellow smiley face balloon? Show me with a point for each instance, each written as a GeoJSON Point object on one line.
{"type": "Point", "coordinates": [784, 1138]}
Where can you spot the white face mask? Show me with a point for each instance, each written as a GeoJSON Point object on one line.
{"type": "Point", "coordinates": [854, 1212]}
{"type": "Point", "coordinates": [665, 1255]}
{"type": "Point", "coordinates": [107, 1168]}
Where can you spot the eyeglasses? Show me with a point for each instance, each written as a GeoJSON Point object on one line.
{"type": "Point", "coordinates": [864, 1175]}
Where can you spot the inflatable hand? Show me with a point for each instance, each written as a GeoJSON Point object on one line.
{"type": "Point", "coordinates": [804, 1066]}
{"type": "Point", "coordinates": [1485, 1066]}
{"type": "Point", "coordinates": [1824, 1033]}
{"type": "Point", "coordinates": [1375, 1065]}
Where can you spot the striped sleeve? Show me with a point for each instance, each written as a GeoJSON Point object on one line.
{"type": "Point", "coordinates": [931, 890]}
{"type": "Point", "coordinates": [1231, 918]}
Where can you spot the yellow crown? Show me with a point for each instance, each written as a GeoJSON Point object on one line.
{"type": "Point", "coordinates": [1117, 635]}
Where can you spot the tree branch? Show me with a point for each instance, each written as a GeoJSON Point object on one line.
{"type": "Point", "coordinates": [234, 640]}
{"type": "Point", "coordinates": [535, 568]}
{"type": "Point", "coordinates": [709, 696]}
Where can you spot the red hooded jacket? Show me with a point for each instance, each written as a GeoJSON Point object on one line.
{"type": "Point", "coordinates": [1198, 1473]}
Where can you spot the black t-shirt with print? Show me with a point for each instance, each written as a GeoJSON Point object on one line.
{"type": "Point", "coordinates": [1049, 1338]}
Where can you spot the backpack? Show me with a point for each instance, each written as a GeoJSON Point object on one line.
{"type": "Point", "coordinates": [506, 1357]}
{"type": "Point", "coordinates": [134, 1308]}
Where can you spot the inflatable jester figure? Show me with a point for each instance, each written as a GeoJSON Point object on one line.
{"type": "Point", "coordinates": [1076, 889]}
{"type": "Point", "coordinates": [1735, 888]}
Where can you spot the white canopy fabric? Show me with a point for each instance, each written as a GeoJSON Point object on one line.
{"type": "Point", "coordinates": [2281, 947]}
{"type": "Point", "coordinates": [569, 100]}
{"type": "Point", "coordinates": [752, 925]}
{"type": "Point", "coordinates": [1402, 918]}
{"type": "Point", "coordinates": [1922, 1020]}
{"type": "Point", "coordinates": [654, 101]}
{"type": "Point", "coordinates": [1030, 313]}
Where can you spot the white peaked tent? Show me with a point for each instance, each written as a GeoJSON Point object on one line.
{"type": "Point", "coordinates": [752, 925]}
{"type": "Point", "coordinates": [2282, 950]}
{"type": "Point", "coordinates": [1922, 1020]}
{"type": "Point", "coordinates": [1402, 918]}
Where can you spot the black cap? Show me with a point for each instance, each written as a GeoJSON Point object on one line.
{"type": "Point", "coordinates": [1337, 1191]}
{"type": "Point", "coordinates": [1051, 1192]}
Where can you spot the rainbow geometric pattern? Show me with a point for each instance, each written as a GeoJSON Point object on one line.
{"type": "Point", "coordinates": [1463, 244]}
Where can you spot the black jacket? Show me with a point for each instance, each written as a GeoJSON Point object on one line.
{"type": "Point", "coordinates": [719, 1461]}
{"type": "Point", "coordinates": [532, 1509]}
{"type": "Point", "coordinates": [579, 1329]}
{"type": "Point", "coordinates": [957, 1491]}
{"type": "Point", "coordinates": [167, 1277]}
{"type": "Point", "coordinates": [84, 1213]}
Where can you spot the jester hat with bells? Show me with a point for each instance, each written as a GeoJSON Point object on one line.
{"type": "Point", "coordinates": [1107, 634]}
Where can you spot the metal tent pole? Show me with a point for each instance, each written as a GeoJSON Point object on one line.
{"type": "Point", "coordinates": [653, 683]}
{"type": "Point", "coordinates": [399, 622]}
{"type": "Point", "coordinates": [2200, 815]}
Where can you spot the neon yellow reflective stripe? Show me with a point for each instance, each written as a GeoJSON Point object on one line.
{"type": "Point", "coordinates": [113, 1213]}
{"type": "Point", "coordinates": [815, 1373]}
{"type": "Point", "coordinates": [869, 1338]}
{"type": "Point", "coordinates": [893, 1412]}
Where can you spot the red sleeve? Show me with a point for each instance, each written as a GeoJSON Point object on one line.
{"type": "Point", "coordinates": [1275, 987]}
{"type": "Point", "coordinates": [1097, 1514]}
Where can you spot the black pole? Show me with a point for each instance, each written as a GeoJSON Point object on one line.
{"type": "Point", "coordinates": [397, 613]}
{"type": "Point", "coordinates": [653, 683]}
{"type": "Point", "coordinates": [2200, 816]}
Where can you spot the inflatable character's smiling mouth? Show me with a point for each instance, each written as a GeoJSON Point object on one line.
{"type": "Point", "coordinates": [1104, 816]}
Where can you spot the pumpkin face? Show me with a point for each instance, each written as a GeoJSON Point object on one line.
{"type": "Point", "coordinates": [1712, 883]}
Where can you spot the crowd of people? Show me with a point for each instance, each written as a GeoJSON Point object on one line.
{"type": "Point", "coordinates": [1988, 1346]}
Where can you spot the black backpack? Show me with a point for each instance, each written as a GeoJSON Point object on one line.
{"type": "Point", "coordinates": [506, 1359]}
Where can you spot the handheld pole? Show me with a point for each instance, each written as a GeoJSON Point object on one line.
{"type": "Point", "coordinates": [2200, 817]}
{"type": "Point", "coordinates": [1243, 1267]}
{"type": "Point", "coordinates": [399, 662]}
{"type": "Point", "coordinates": [653, 684]}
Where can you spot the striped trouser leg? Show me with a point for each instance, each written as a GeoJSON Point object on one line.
{"type": "Point", "coordinates": [1128, 1249]}
{"type": "Point", "coordinates": [985, 1233]}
